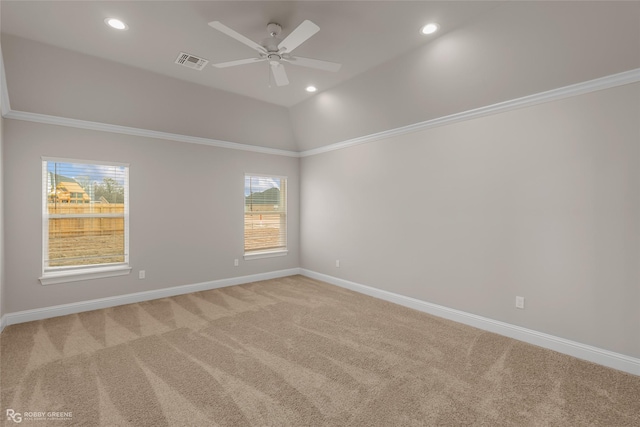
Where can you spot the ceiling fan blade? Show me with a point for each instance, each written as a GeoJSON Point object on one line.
{"type": "Point", "coordinates": [238, 62]}
{"type": "Point", "coordinates": [279, 74]}
{"type": "Point", "coordinates": [298, 36]}
{"type": "Point", "coordinates": [314, 63]}
{"type": "Point", "coordinates": [232, 33]}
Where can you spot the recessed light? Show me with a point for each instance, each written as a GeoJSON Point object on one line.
{"type": "Point", "coordinates": [311, 89]}
{"type": "Point", "coordinates": [429, 28]}
{"type": "Point", "coordinates": [115, 23]}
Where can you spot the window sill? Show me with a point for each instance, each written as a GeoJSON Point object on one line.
{"type": "Point", "coordinates": [52, 278]}
{"type": "Point", "coordinates": [269, 254]}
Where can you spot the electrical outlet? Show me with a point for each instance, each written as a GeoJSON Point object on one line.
{"type": "Point", "coordinates": [520, 302]}
{"type": "Point", "coordinates": [141, 274]}
{"type": "Point", "coordinates": [338, 263]}
{"type": "Point", "coordinates": [235, 263]}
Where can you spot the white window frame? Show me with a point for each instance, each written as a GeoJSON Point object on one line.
{"type": "Point", "coordinates": [65, 274]}
{"type": "Point", "coordinates": [272, 252]}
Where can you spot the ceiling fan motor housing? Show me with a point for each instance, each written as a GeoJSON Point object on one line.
{"type": "Point", "coordinates": [274, 58]}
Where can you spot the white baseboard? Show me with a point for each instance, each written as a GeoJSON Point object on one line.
{"type": "Point", "coordinates": [582, 351]}
{"type": "Point", "coordinates": [62, 310]}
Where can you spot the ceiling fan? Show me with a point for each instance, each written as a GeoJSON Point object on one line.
{"type": "Point", "coordinates": [277, 50]}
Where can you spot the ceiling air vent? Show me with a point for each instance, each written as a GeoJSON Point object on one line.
{"type": "Point", "coordinates": [191, 61]}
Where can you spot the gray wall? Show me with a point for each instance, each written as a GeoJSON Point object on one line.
{"type": "Point", "coordinates": [516, 49]}
{"type": "Point", "coordinates": [2, 310]}
{"type": "Point", "coordinates": [541, 202]}
{"type": "Point", "coordinates": [186, 205]}
{"type": "Point", "coordinates": [49, 80]}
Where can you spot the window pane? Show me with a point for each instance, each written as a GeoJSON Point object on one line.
{"type": "Point", "coordinates": [86, 208]}
{"type": "Point", "coordinates": [264, 231]}
{"type": "Point", "coordinates": [265, 221]}
{"type": "Point", "coordinates": [85, 241]}
{"type": "Point", "coordinates": [84, 183]}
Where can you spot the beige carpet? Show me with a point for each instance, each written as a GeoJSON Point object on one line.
{"type": "Point", "coordinates": [295, 352]}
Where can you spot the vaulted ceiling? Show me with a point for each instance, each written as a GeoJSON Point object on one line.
{"type": "Point", "coordinates": [358, 34]}
{"type": "Point", "coordinates": [62, 60]}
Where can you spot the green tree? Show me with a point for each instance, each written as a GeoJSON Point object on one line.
{"type": "Point", "coordinates": [110, 190]}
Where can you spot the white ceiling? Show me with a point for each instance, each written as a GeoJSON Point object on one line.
{"type": "Point", "coordinates": [359, 34]}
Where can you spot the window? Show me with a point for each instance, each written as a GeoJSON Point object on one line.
{"type": "Point", "coordinates": [265, 216]}
{"type": "Point", "coordinates": [85, 219]}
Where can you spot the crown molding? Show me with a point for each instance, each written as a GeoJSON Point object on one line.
{"type": "Point", "coordinates": [105, 127]}
{"type": "Point", "coordinates": [614, 80]}
{"type": "Point", "coordinates": [627, 77]}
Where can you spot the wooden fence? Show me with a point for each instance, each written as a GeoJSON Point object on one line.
{"type": "Point", "coordinates": [85, 226]}
{"type": "Point", "coordinates": [264, 231]}
{"type": "Point", "coordinates": [85, 208]}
